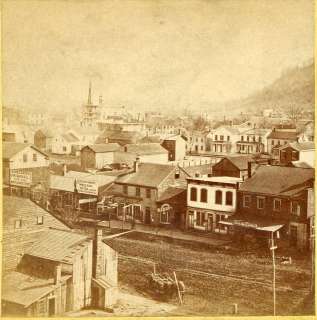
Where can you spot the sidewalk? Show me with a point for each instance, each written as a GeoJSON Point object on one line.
{"type": "Point", "coordinates": [207, 238]}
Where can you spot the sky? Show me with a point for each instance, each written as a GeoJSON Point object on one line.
{"type": "Point", "coordinates": [152, 55]}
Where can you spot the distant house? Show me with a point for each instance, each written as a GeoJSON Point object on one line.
{"type": "Point", "coordinates": [209, 201]}
{"type": "Point", "coordinates": [143, 194]}
{"type": "Point", "coordinates": [48, 269]}
{"type": "Point", "coordinates": [146, 152]}
{"type": "Point", "coordinates": [253, 141]}
{"type": "Point", "coordinates": [274, 201]}
{"type": "Point", "coordinates": [176, 147]}
{"type": "Point", "coordinates": [305, 131]}
{"type": "Point", "coordinates": [279, 137]}
{"type": "Point", "coordinates": [85, 135]}
{"type": "Point", "coordinates": [43, 139]}
{"type": "Point", "coordinates": [235, 166]}
{"type": "Point", "coordinates": [120, 137]}
{"type": "Point", "coordinates": [303, 152]}
{"type": "Point", "coordinates": [64, 143]}
{"type": "Point", "coordinates": [224, 139]}
{"type": "Point", "coordinates": [97, 156]}
{"type": "Point", "coordinates": [196, 142]}
{"type": "Point", "coordinates": [24, 165]}
{"type": "Point", "coordinates": [17, 133]}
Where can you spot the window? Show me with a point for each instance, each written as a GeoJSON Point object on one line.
{"type": "Point", "coordinates": [228, 138]}
{"type": "Point", "coordinates": [34, 157]}
{"type": "Point", "coordinates": [203, 195]}
{"type": "Point", "coordinates": [285, 142]}
{"type": "Point", "coordinates": [137, 191]}
{"type": "Point", "coordinates": [64, 148]}
{"type": "Point", "coordinates": [246, 201]}
{"type": "Point", "coordinates": [200, 218]}
{"type": "Point", "coordinates": [164, 214]}
{"type": "Point", "coordinates": [272, 142]}
{"type": "Point", "coordinates": [294, 155]}
{"type": "Point", "coordinates": [148, 193]}
{"type": "Point", "coordinates": [248, 138]}
{"type": "Point", "coordinates": [277, 204]}
{"type": "Point", "coordinates": [295, 208]}
{"type": "Point", "coordinates": [221, 138]}
{"type": "Point", "coordinates": [196, 139]}
{"type": "Point", "coordinates": [193, 194]}
{"type": "Point", "coordinates": [39, 220]}
{"type": "Point", "coordinates": [260, 202]}
{"type": "Point", "coordinates": [18, 224]}
{"type": "Point", "coordinates": [202, 148]}
{"type": "Point", "coordinates": [242, 138]}
{"type": "Point", "coordinates": [229, 196]}
{"type": "Point", "coordinates": [278, 142]}
{"type": "Point", "coordinates": [137, 213]}
{"type": "Point", "coordinates": [202, 140]}
{"type": "Point", "coordinates": [216, 137]}
{"type": "Point", "coordinates": [125, 189]}
{"type": "Point", "coordinates": [218, 199]}
{"type": "Point", "coordinates": [25, 157]}
{"type": "Point", "coordinates": [260, 139]}
{"type": "Point", "coordinates": [177, 174]}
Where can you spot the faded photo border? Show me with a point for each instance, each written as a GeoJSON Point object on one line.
{"type": "Point", "coordinates": [94, 73]}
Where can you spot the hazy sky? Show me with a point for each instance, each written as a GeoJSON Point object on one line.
{"type": "Point", "coordinates": [149, 53]}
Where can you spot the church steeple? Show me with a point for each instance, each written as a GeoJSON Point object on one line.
{"type": "Point", "coordinates": [89, 94]}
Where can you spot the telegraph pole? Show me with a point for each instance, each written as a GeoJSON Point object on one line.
{"type": "Point", "coordinates": [273, 248]}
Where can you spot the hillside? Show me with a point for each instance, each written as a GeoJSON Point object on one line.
{"type": "Point", "coordinates": [295, 87]}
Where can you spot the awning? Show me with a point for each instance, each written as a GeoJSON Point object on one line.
{"type": "Point", "coordinates": [255, 223]}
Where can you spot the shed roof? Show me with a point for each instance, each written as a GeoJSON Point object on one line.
{"type": "Point", "coordinates": [55, 244]}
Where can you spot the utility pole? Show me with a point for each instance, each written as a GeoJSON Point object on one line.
{"type": "Point", "coordinates": [273, 248]}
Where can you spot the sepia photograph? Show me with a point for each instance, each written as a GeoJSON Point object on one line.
{"type": "Point", "coordinates": [158, 158]}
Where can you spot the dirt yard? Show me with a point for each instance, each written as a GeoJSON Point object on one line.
{"type": "Point", "coordinates": [215, 278]}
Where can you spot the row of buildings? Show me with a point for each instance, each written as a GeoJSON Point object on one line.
{"type": "Point", "coordinates": [236, 193]}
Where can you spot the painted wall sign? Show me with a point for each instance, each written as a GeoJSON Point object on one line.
{"type": "Point", "coordinates": [87, 187]}
{"type": "Point", "coordinates": [19, 178]}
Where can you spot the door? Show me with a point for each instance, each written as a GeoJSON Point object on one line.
{"type": "Point", "coordinates": [293, 236]}
{"type": "Point", "coordinates": [51, 307]}
{"type": "Point", "coordinates": [147, 215]}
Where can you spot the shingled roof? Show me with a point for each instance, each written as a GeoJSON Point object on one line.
{"type": "Point", "coordinates": [145, 148]}
{"type": "Point", "coordinates": [277, 180]}
{"type": "Point", "coordinates": [104, 147]}
{"type": "Point", "coordinates": [10, 149]}
{"type": "Point", "coordinates": [283, 135]}
{"type": "Point", "coordinates": [148, 175]}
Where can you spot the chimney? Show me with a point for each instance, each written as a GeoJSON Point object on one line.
{"type": "Point", "coordinates": [57, 274]}
{"type": "Point", "coordinates": [136, 164]}
{"type": "Point", "coordinates": [249, 169]}
{"type": "Point", "coordinates": [98, 255]}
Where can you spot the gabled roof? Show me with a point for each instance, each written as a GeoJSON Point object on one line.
{"type": "Point", "coordinates": [69, 137]}
{"type": "Point", "coordinates": [277, 180]}
{"type": "Point", "coordinates": [283, 135]}
{"type": "Point", "coordinates": [46, 132]}
{"type": "Point", "coordinates": [15, 208]}
{"type": "Point", "coordinates": [104, 147]}
{"type": "Point", "coordinates": [148, 175]}
{"type": "Point", "coordinates": [240, 162]}
{"type": "Point", "coordinates": [56, 245]}
{"type": "Point", "coordinates": [10, 149]}
{"type": "Point", "coordinates": [201, 169]}
{"type": "Point", "coordinates": [172, 192]}
{"type": "Point", "coordinates": [145, 148]}
{"type": "Point", "coordinates": [300, 146]}
{"type": "Point", "coordinates": [257, 131]}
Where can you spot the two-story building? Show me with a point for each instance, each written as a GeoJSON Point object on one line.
{"type": "Point", "coordinates": [43, 139]}
{"type": "Point", "coordinates": [176, 147]}
{"type": "Point", "coordinates": [145, 194]}
{"type": "Point", "coordinates": [65, 143]}
{"type": "Point", "coordinates": [224, 139]}
{"type": "Point", "coordinates": [24, 166]}
{"type": "Point", "coordinates": [209, 201]}
{"type": "Point", "coordinates": [196, 142]}
{"type": "Point", "coordinates": [273, 202]}
{"type": "Point", "coordinates": [279, 137]}
{"type": "Point", "coordinates": [253, 141]}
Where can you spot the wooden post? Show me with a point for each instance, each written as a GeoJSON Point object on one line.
{"type": "Point", "coordinates": [154, 268]}
{"type": "Point", "coordinates": [273, 248]}
{"type": "Point", "coordinates": [235, 308]}
{"type": "Point", "coordinates": [179, 294]}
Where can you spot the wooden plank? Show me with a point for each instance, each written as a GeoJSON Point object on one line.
{"type": "Point", "coordinates": [179, 294]}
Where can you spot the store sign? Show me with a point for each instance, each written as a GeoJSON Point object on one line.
{"type": "Point", "coordinates": [21, 179]}
{"type": "Point", "coordinates": [245, 224]}
{"type": "Point", "coordinates": [86, 187]}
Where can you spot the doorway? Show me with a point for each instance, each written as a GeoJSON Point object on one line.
{"type": "Point", "coordinates": [293, 236]}
{"type": "Point", "coordinates": [147, 215]}
{"type": "Point", "coordinates": [51, 307]}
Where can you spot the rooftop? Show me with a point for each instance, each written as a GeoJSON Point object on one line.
{"type": "Point", "coordinates": [24, 290]}
{"type": "Point", "coordinates": [10, 149]}
{"type": "Point", "coordinates": [148, 174]}
{"type": "Point", "coordinates": [145, 148]}
{"type": "Point", "coordinates": [277, 180]}
{"type": "Point", "coordinates": [221, 179]}
{"type": "Point", "coordinates": [283, 135]}
{"type": "Point", "coordinates": [300, 146]}
{"type": "Point", "coordinates": [104, 147]}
